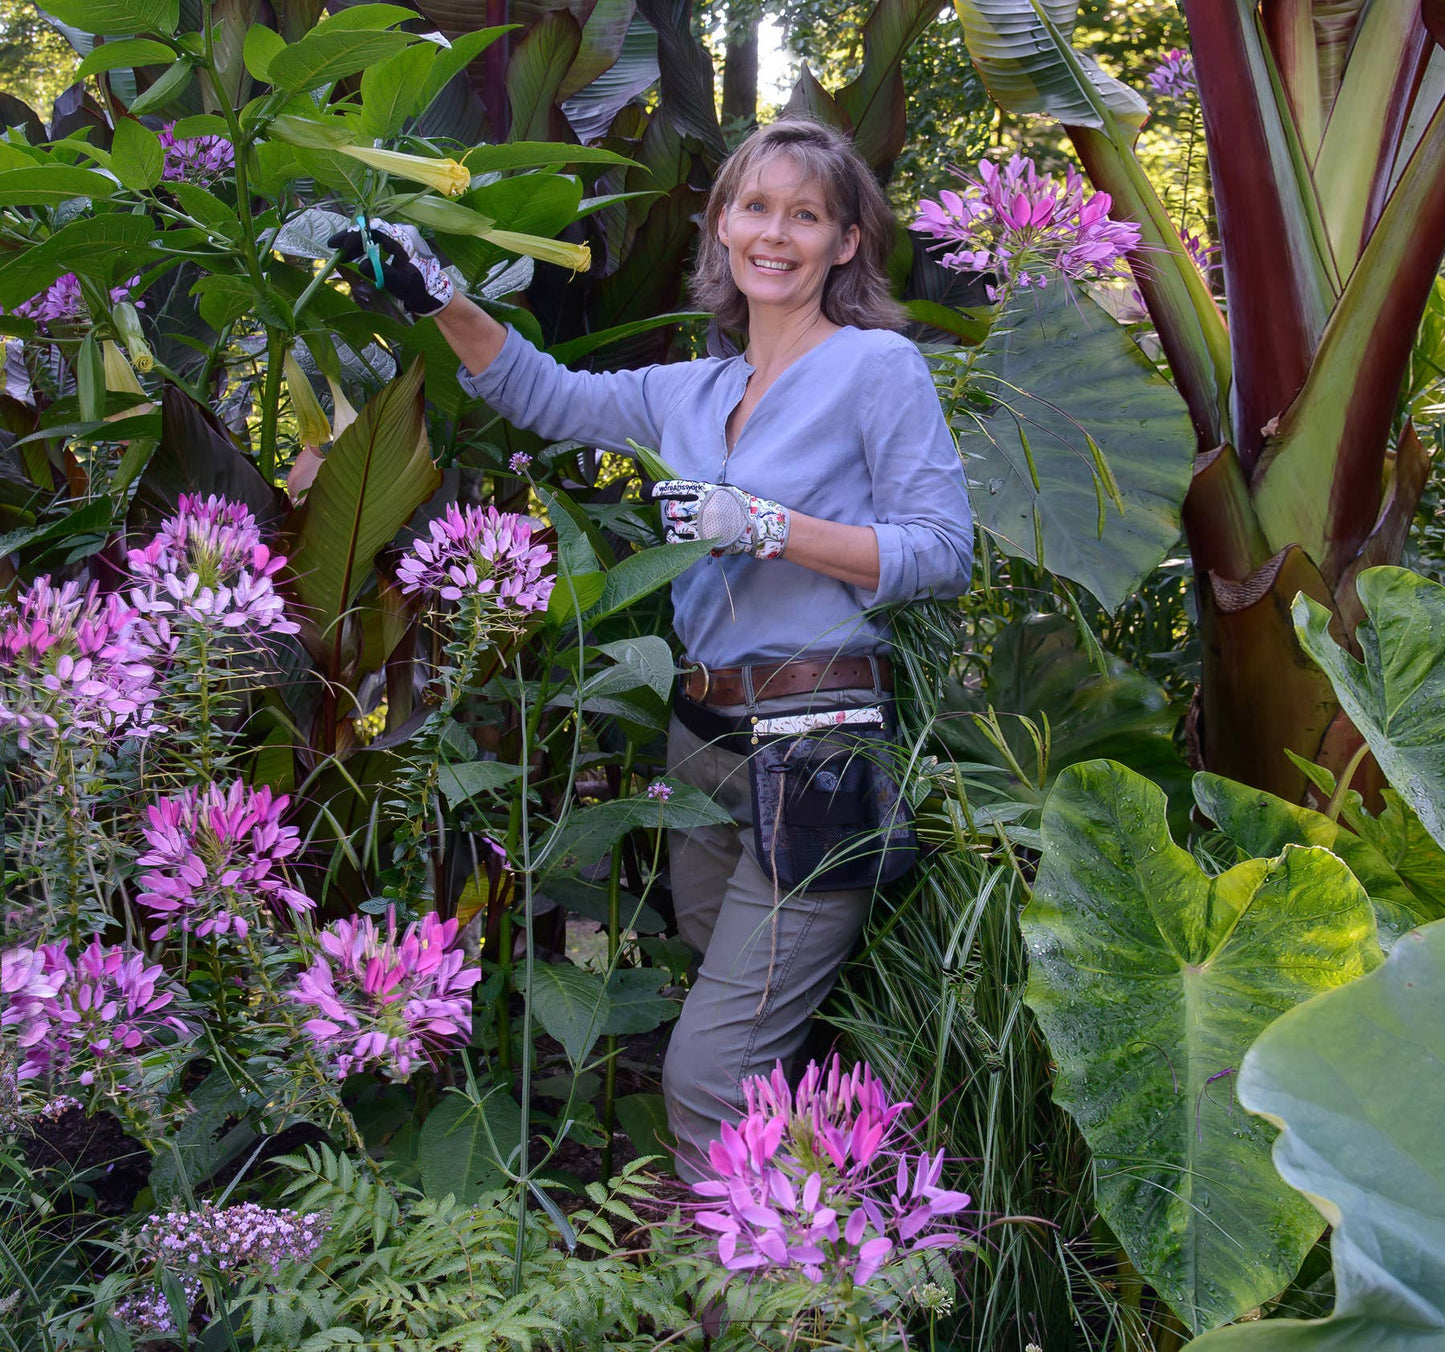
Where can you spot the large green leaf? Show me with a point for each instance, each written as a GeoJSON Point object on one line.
{"type": "Point", "coordinates": [1262, 824]}
{"type": "Point", "coordinates": [326, 55]}
{"type": "Point", "coordinates": [687, 73]}
{"type": "Point", "coordinates": [1040, 671]}
{"type": "Point", "coordinates": [72, 248]}
{"type": "Point", "coordinates": [875, 102]}
{"type": "Point", "coordinates": [641, 574]}
{"type": "Point", "coordinates": [1021, 49]}
{"type": "Point", "coordinates": [591, 109]}
{"type": "Point", "coordinates": [536, 72]}
{"type": "Point", "coordinates": [571, 1003]}
{"type": "Point", "coordinates": [460, 1144]}
{"type": "Point", "coordinates": [50, 185]}
{"type": "Point", "coordinates": [1083, 462]}
{"type": "Point", "coordinates": [589, 832]}
{"type": "Point", "coordinates": [1352, 1078]}
{"type": "Point", "coordinates": [379, 471]}
{"type": "Point", "coordinates": [116, 16]}
{"type": "Point", "coordinates": [1150, 980]}
{"type": "Point", "coordinates": [1396, 696]}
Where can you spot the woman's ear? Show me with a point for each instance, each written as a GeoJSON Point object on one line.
{"type": "Point", "coordinates": [849, 245]}
{"type": "Point", "coordinates": [722, 226]}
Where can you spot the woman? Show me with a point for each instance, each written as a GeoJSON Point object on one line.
{"type": "Point", "coordinates": [821, 463]}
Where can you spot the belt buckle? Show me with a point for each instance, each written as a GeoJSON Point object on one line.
{"type": "Point", "coordinates": [706, 682]}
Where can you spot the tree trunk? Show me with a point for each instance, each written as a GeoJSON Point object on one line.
{"type": "Point", "coordinates": [740, 66]}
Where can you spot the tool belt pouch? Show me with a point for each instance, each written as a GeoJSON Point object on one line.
{"type": "Point", "coordinates": [827, 810]}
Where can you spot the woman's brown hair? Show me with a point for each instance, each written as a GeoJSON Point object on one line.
{"type": "Point", "coordinates": [855, 292]}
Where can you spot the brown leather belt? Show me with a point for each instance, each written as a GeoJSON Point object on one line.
{"type": "Point", "coordinates": [806, 676]}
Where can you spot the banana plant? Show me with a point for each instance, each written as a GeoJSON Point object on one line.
{"type": "Point", "coordinates": [1326, 137]}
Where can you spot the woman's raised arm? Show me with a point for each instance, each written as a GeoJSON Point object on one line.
{"type": "Point", "coordinates": [474, 335]}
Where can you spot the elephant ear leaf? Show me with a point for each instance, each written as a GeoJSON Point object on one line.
{"type": "Point", "coordinates": [1092, 494]}
{"type": "Point", "coordinates": [1396, 696]}
{"type": "Point", "coordinates": [1261, 824]}
{"type": "Point", "coordinates": [378, 472]}
{"type": "Point", "coordinates": [1341, 1076]}
{"type": "Point", "coordinates": [1150, 980]}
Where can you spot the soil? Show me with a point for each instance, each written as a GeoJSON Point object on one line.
{"type": "Point", "coordinates": [90, 1157]}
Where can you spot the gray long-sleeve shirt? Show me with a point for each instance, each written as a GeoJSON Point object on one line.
{"type": "Point", "coordinates": [851, 432]}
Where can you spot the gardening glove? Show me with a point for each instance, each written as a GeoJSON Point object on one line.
{"type": "Point", "coordinates": [740, 522]}
{"type": "Point", "coordinates": [409, 270]}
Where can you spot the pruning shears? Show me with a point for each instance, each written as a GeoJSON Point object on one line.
{"type": "Point", "coordinates": [369, 248]}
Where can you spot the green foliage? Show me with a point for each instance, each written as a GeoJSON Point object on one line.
{"type": "Point", "coordinates": [1150, 980]}
{"type": "Point", "coordinates": [1078, 449]}
{"type": "Point", "coordinates": [398, 1270]}
{"type": "Point", "coordinates": [1054, 707]}
{"type": "Point", "coordinates": [1394, 697]}
{"type": "Point", "coordinates": [1348, 1078]}
{"type": "Point", "coordinates": [1262, 825]}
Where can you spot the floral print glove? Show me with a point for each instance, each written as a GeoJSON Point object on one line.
{"type": "Point", "coordinates": [738, 521]}
{"type": "Point", "coordinates": [409, 270]}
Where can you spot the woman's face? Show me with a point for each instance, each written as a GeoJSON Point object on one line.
{"type": "Point", "coordinates": [782, 239]}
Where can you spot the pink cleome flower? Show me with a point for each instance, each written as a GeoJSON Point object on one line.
{"type": "Point", "coordinates": [1173, 77]}
{"type": "Point", "coordinates": [820, 1180]}
{"type": "Point", "coordinates": [87, 1013]}
{"type": "Point", "coordinates": [387, 1002]}
{"type": "Point", "coordinates": [1016, 223]}
{"type": "Point", "coordinates": [476, 552]}
{"type": "Point", "coordinates": [216, 859]}
{"type": "Point", "coordinates": [74, 662]}
{"type": "Point", "coordinates": [207, 566]}
{"type": "Point", "coordinates": [63, 302]}
{"type": "Point", "coordinates": [195, 159]}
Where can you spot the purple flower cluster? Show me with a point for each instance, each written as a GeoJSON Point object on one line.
{"type": "Point", "coordinates": [1023, 227]}
{"type": "Point", "coordinates": [819, 1181]}
{"type": "Point", "coordinates": [84, 1014]}
{"type": "Point", "coordinates": [1173, 77]}
{"type": "Point", "coordinates": [518, 462]}
{"type": "Point", "coordinates": [232, 1242]}
{"type": "Point", "coordinates": [658, 791]}
{"type": "Point", "coordinates": [207, 565]}
{"type": "Point", "coordinates": [480, 552]}
{"type": "Point", "coordinates": [386, 1002]}
{"type": "Point", "coordinates": [62, 302]}
{"type": "Point", "coordinates": [216, 860]}
{"type": "Point", "coordinates": [195, 159]}
{"type": "Point", "coordinates": [72, 661]}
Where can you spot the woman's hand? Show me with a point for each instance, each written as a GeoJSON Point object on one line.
{"type": "Point", "coordinates": [409, 270]}
{"type": "Point", "coordinates": [693, 509]}
{"type": "Point", "coordinates": [414, 275]}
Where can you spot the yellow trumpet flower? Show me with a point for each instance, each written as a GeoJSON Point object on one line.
{"type": "Point", "coordinates": [578, 257]}
{"type": "Point", "coordinates": [451, 178]}
{"type": "Point", "coordinates": [119, 376]}
{"type": "Point", "coordinates": [345, 415]}
{"type": "Point", "coordinates": [311, 422]}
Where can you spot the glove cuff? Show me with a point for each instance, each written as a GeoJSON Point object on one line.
{"type": "Point", "coordinates": [771, 522]}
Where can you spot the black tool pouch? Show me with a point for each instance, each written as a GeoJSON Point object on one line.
{"type": "Point", "coordinates": [827, 810]}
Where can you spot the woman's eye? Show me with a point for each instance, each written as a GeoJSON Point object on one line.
{"type": "Point", "coordinates": [754, 206]}
{"type": "Point", "coordinates": [807, 215]}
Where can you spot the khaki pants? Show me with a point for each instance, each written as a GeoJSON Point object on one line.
{"type": "Point", "coordinates": [766, 965]}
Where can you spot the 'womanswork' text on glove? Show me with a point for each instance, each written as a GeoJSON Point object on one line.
{"type": "Point", "coordinates": [409, 270]}
{"type": "Point", "coordinates": [738, 521]}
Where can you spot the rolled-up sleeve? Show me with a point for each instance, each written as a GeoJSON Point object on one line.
{"type": "Point", "coordinates": [599, 408]}
{"type": "Point", "coordinates": [920, 493]}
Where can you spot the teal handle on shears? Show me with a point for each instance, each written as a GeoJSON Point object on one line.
{"type": "Point", "coordinates": [370, 249]}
